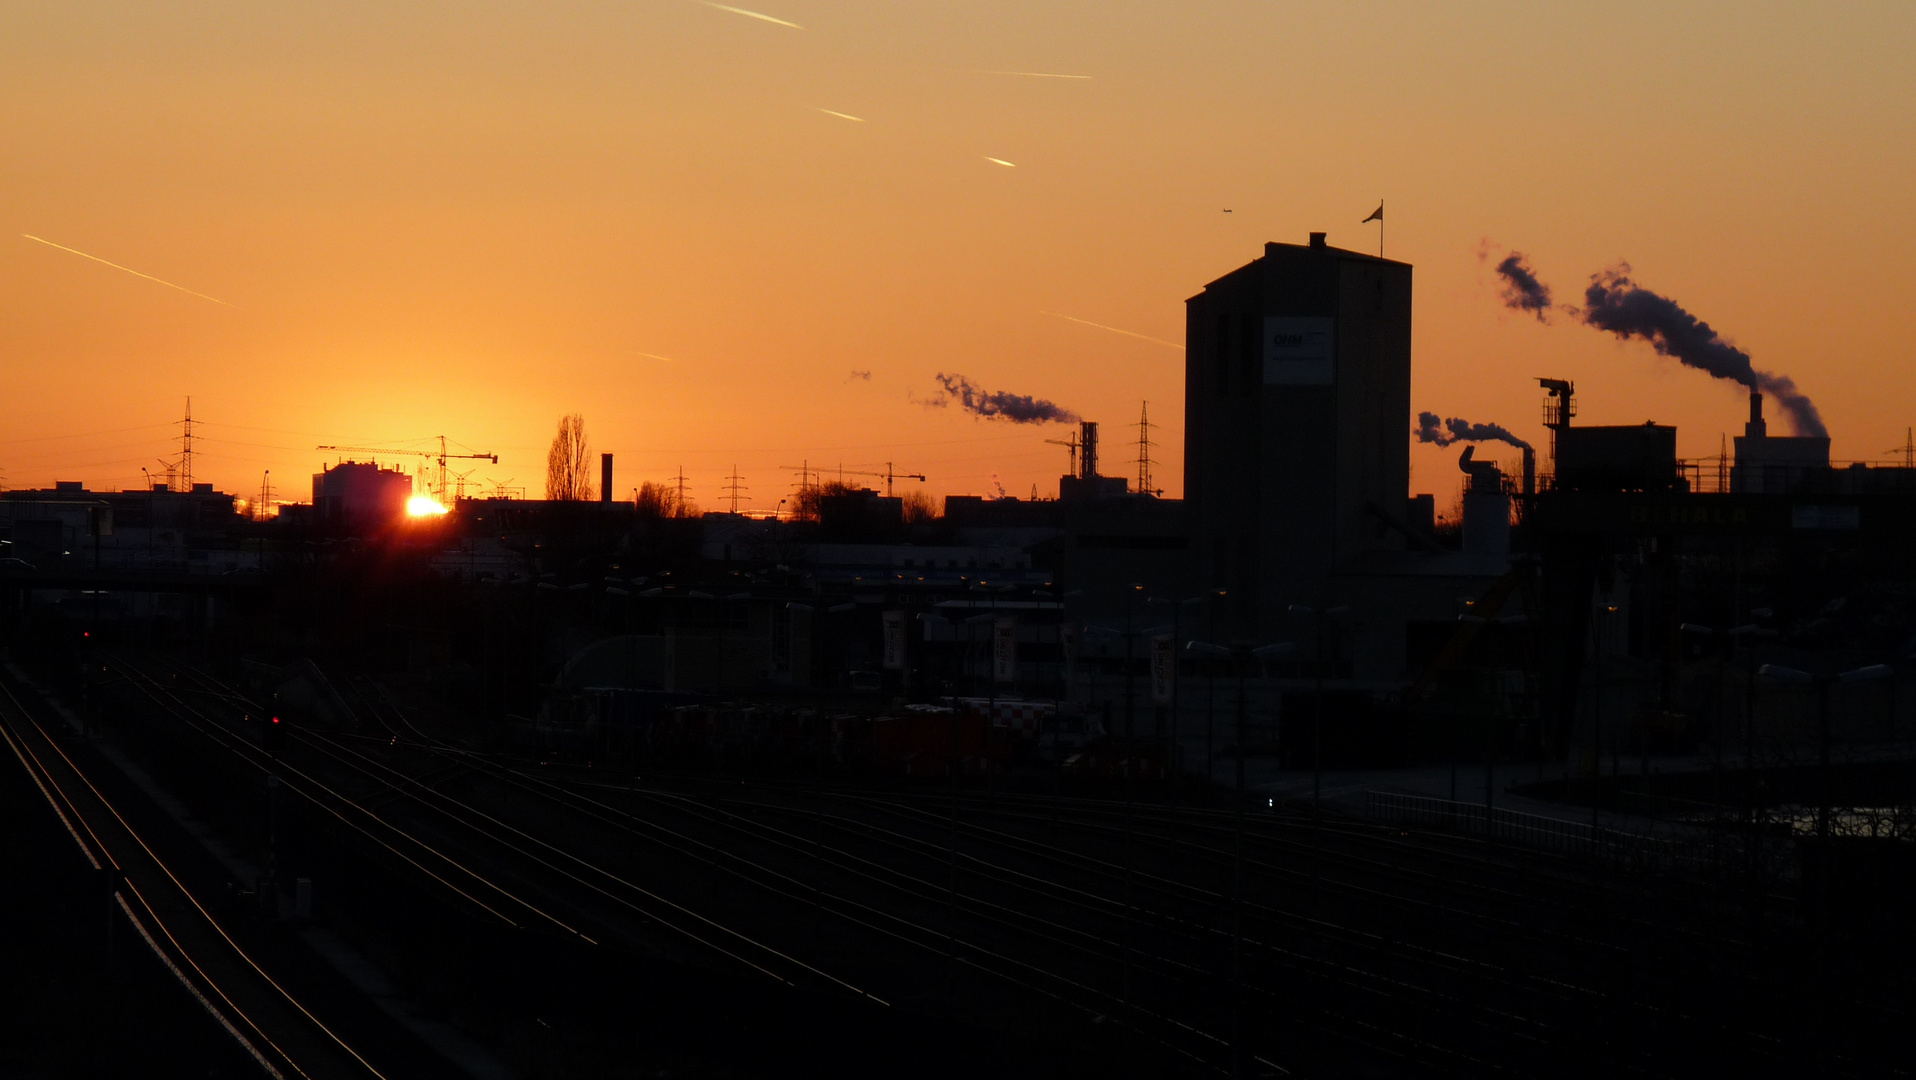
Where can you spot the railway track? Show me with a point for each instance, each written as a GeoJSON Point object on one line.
{"type": "Point", "coordinates": [1292, 945]}
{"type": "Point", "coordinates": [984, 971]}
{"type": "Point", "coordinates": [280, 1033]}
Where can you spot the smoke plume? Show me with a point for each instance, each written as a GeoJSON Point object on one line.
{"type": "Point", "coordinates": [1615, 303]}
{"type": "Point", "coordinates": [1523, 291]}
{"type": "Point", "coordinates": [1431, 429]}
{"type": "Point", "coordinates": [998, 404]}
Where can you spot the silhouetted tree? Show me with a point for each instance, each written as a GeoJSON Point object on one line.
{"type": "Point", "coordinates": [662, 500]}
{"type": "Point", "coordinates": [805, 505]}
{"type": "Point", "coordinates": [921, 508]}
{"type": "Point", "coordinates": [568, 472]}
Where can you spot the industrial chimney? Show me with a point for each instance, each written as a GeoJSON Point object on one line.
{"type": "Point", "coordinates": [1088, 450]}
{"type": "Point", "coordinates": [1486, 507]}
{"type": "Point", "coordinates": [605, 478]}
{"type": "Point", "coordinates": [1756, 429]}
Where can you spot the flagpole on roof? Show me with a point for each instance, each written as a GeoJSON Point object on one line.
{"type": "Point", "coordinates": [1377, 215]}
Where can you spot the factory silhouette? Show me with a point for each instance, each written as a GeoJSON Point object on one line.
{"type": "Point", "coordinates": [1615, 679]}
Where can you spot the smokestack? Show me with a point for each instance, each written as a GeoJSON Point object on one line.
{"type": "Point", "coordinates": [1088, 449]}
{"type": "Point", "coordinates": [1317, 241]}
{"type": "Point", "coordinates": [1529, 471]}
{"type": "Point", "coordinates": [605, 478]}
{"type": "Point", "coordinates": [1756, 428]}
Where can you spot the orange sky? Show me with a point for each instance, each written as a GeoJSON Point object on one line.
{"type": "Point", "coordinates": [471, 218]}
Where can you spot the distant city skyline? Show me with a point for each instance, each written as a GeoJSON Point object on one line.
{"type": "Point", "coordinates": [667, 220]}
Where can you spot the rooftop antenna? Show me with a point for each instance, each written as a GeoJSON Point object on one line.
{"type": "Point", "coordinates": [733, 489]}
{"type": "Point", "coordinates": [1145, 486]}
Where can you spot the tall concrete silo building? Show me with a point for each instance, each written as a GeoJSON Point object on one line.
{"type": "Point", "coordinates": [1297, 423]}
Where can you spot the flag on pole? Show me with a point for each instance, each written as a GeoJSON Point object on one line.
{"type": "Point", "coordinates": [1375, 215]}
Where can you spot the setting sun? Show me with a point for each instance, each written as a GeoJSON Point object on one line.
{"type": "Point", "coordinates": [423, 506]}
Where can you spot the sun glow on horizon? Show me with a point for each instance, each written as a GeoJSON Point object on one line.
{"type": "Point", "coordinates": [424, 506]}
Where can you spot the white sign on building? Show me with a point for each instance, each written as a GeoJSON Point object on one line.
{"type": "Point", "coordinates": [1298, 350]}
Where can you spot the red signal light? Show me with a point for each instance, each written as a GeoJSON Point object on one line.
{"type": "Point", "coordinates": [275, 719]}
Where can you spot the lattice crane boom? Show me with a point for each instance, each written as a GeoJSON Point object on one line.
{"type": "Point", "coordinates": [889, 475]}
{"type": "Point", "coordinates": [442, 455]}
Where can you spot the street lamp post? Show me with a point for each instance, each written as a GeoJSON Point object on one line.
{"type": "Point", "coordinates": [1490, 746]}
{"type": "Point", "coordinates": [1130, 662]}
{"type": "Point", "coordinates": [1177, 610]}
{"type": "Point", "coordinates": [1748, 635]}
{"type": "Point", "coordinates": [1824, 738]}
{"type": "Point", "coordinates": [1238, 654]}
{"type": "Point", "coordinates": [1317, 702]}
{"type": "Point", "coordinates": [1210, 692]}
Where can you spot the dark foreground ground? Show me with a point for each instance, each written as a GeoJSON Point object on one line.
{"type": "Point", "coordinates": [80, 996]}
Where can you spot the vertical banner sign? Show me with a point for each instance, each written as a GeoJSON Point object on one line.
{"type": "Point", "coordinates": [894, 641]}
{"type": "Point", "coordinates": [1004, 649]}
{"type": "Point", "coordinates": [1068, 645]}
{"type": "Point", "coordinates": [1164, 668]}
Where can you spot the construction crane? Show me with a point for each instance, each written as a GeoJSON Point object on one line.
{"type": "Point", "coordinates": [1071, 447]}
{"type": "Point", "coordinates": [439, 487]}
{"type": "Point", "coordinates": [888, 475]}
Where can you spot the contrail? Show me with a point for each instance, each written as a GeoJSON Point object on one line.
{"type": "Point", "coordinates": [1029, 74]}
{"type": "Point", "coordinates": [128, 269]}
{"type": "Point", "coordinates": [1115, 330]}
{"type": "Point", "coordinates": [656, 356]}
{"type": "Point", "coordinates": [752, 14]}
{"type": "Point", "coordinates": [1001, 161]}
{"type": "Point", "coordinates": [841, 115]}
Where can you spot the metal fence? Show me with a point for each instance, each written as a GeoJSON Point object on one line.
{"type": "Point", "coordinates": [1675, 848]}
